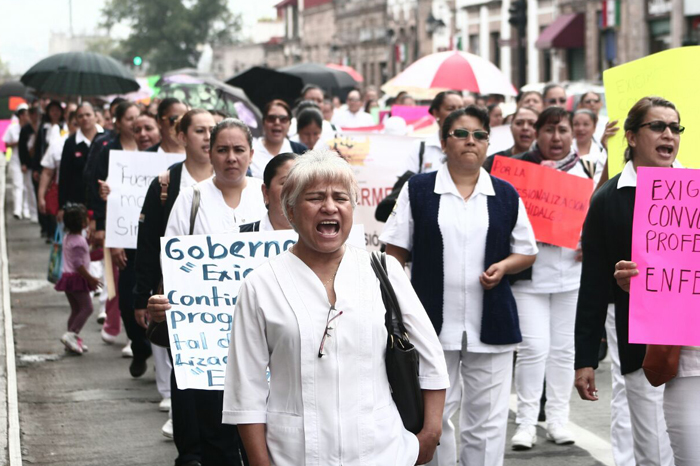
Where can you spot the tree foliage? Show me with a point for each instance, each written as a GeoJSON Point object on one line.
{"type": "Point", "coordinates": [168, 34]}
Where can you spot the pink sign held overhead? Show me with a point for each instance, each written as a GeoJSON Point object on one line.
{"type": "Point", "coordinates": [665, 296]}
{"type": "Point", "coordinates": [411, 113]}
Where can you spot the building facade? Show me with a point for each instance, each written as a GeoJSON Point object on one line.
{"type": "Point", "coordinates": [318, 44]}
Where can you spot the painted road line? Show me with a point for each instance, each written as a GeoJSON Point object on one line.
{"type": "Point", "coordinates": [13, 432]}
{"type": "Point", "coordinates": [598, 448]}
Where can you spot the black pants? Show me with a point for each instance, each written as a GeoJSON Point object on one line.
{"type": "Point", "coordinates": [46, 222]}
{"type": "Point", "coordinates": [220, 443]}
{"type": "Point", "coordinates": [185, 425]}
{"type": "Point", "coordinates": [140, 345]}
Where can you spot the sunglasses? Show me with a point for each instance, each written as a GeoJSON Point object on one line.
{"type": "Point", "coordinates": [561, 100]}
{"type": "Point", "coordinates": [274, 118]}
{"type": "Point", "coordinates": [590, 101]}
{"type": "Point", "coordinates": [660, 127]}
{"type": "Point", "coordinates": [172, 119]}
{"type": "Point", "coordinates": [331, 322]}
{"type": "Point", "coordinates": [479, 135]}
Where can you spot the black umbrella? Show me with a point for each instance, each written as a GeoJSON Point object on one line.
{"type": "Point", "coordinates": [262, 85]}
{"type": "Point", "coordinates": [12, 93]}
{"type": "Point", "coordinates": [334, 82]}
{"type": "Point", "coordinates": [13, 89]}
{"type": "Point", "coordinates": [80, 73]}
{"type": "Point", "coordinates": [211, 94]}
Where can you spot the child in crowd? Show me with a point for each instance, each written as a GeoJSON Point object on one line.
{"type": "Point", "coordinates": [76, 281]}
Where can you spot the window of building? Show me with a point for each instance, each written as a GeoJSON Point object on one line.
{"type": "Point", "coordinates": [495, 49]}
{"type": "Point", "coordinates": [576, 63]}
{"type": "Point", "coordinates": [474, 44]}
{"type": "Point", "coordinates": [659, 35]}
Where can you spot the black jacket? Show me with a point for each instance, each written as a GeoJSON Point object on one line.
{"type": "Point", "coordinates": [606, 239]}
{"type": "Point", "coordinates": [25, 158]}
{"type": "Point", "coordinates": [152, 223]}
{"type": "Point", "coordinates": [71, 187]}
{"type": "Point", "coordinates": [101, 169]}
{"type": "Point", "coordinates": [298, 148]}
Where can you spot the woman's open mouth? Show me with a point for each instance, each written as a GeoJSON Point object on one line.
{"type": "Point", "coordinates": [328, 228]}
{"type": "Point", "coordinates": [665, 150]}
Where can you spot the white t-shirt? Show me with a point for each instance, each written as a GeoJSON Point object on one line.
{"type": "Point", "coordinates": [261, 156]}
{"type": "Point", "coordinates": [214, 215]}
{"type": "Point", "coordinates": [56, 137]}
{"type": "Point", "coordinates": [347, 119]}
{"type": "Point", "coordinates": [11, 136]}
{"type": "Point", "coordinates": [464, 226]}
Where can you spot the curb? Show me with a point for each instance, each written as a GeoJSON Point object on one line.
{"type": "Point", "coordinates": [13, 430]}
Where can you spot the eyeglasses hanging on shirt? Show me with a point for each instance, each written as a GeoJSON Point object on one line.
{"type": "Point", "coordinates": [331, 323]}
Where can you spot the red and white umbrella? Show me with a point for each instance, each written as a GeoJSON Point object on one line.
{"type": "Point", "coordinates": [454, 70]}
{"type": "Point", "coordinates": [348, 69]}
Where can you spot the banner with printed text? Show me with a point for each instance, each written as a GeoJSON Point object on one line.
{"type": "Point", "coordinates": [665, 296]}
{"type": "Point", "coordinates": [378, 160]}
{"type": "Point", "coordinates": [556, 202]}
{"type": "Point", "coordinates": [201, 278]}
{"type": "Point", "coordinates": [130, 175]}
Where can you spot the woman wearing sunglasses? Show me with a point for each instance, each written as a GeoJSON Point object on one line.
{"type": "Point", "coordinates": [653, 132]}
{"type": "Point", "coordinates": [277, 117]}
{"type": "Point", "coordinates": [170, 110]}
{"type": "Point", "coordinates": [466, 230]}
{"type": "Point", "coordinates": [314, 315]}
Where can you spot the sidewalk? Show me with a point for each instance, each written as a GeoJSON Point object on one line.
{"type": "Point", "coordinates": [74, 410]}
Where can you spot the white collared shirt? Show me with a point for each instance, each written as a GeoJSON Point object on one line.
{"type": "Point", "coordinates": [261, 156]}
{"type": "Point", "coordinates": [464, 226]}
{"type": "Point", "coordinates": [347, 119]}
{"type": "Point", "coordinates": [433, 156]}
{"type": "Point", "coordinates": [214, 215]}
{"type": "Point", "coordinates": [628, 177]}
{"type": "Point", "coordinates": [80, 137]}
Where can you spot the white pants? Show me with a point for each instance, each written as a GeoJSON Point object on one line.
{"type": "Point", "coordinates": [23, 198]}
{"type": "Point", "coordinates": [620, 423]}
{"type": "Point", "coordinates": [682, 412]}
{"type": "Point", "coordinates": [651, 443]}
{"type": "Point", "coordinates": [547, 323]}
{"type": "Point", "coordinates": [479, 386]}
{"type": "Point", "coordinates": [163, 369]}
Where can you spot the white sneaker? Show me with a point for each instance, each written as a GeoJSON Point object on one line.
{"type": "Point", "coordinates": [164, 405]}
{"type": "Point", "coordinates": [167, 428]}
{"type": "Point", "coordinates": [559, 434]}
{"type": "Point", "coordinates": [525, 437]}
{"type": "Point", "coordinates": [107, 338]}
{"type": "Point", "coordinates": [126, 351]}
{"type": "Point", "coordinates": [70, 340]}
{"type": "Point", "coordinates": [101, 317]}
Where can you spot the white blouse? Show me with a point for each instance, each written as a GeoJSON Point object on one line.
{"type": "Point", "coordinates": [464, 226]}
{"type": "Point", "coordinates": [331, 410]}
{"type": "Point", "coordinates": [261, 156]}
{"type": "Point", "coordinates": [214, 215]}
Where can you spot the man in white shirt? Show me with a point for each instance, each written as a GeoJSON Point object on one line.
{"type": "Point", "coordinates": [354, 116]}
{"type": "Point", "coordinates": [11, 140]}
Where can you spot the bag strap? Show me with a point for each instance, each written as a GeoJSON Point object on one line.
{"type": "Point", "coordinates": [195, 207]}
{"type": "Point", "coordinates": [588, 167]}
{"type": "Point", "coordinates": [164, 180]}
{"type": "Point", "coordinates": [391, 303]}
{"type": "Point", "coordinates": [420, 156]}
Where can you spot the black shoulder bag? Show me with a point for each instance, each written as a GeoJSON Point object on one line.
{"type": "Point", "coordinates": [401, 355]}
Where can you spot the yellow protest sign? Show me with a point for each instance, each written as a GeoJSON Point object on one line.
{"type": "Point", "coordinates": [671, 74]}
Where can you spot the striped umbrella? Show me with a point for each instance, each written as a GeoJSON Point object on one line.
{"type": "Point", "coordinates": [80, 73]}
{"type": "Point", "coordinates": [455, 70]}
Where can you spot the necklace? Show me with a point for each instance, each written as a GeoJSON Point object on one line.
{"type": "Point", "coordinates": [326, 283]}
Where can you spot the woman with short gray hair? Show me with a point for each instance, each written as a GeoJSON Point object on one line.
{"type": "Point", "coordinates": [314, 315]}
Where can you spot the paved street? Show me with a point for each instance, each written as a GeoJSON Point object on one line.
{"type": "Point", "coordinates": [87, 410]}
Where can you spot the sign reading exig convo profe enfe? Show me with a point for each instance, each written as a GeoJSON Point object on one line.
{"type": "Point", "coordinates": [665, 296]}
{"type": "Point", "coordinates": [201, 277]}
{"type": "Point", "coordinates": [556, 202]}
{"type": "Point", "coordinates": [130, 175]}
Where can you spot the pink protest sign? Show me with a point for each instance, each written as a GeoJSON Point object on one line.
{"type": "Point", "coordinates": [3, 127]}
{"type": "Point", "coordinates": [665, 296]}
{"type": "Point", "coordinates": [410, 113]}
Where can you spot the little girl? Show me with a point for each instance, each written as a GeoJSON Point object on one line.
{"type": "Point", "coordinates": [76, 281]}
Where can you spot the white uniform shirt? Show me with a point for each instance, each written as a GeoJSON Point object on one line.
{"type": "Point", "coordinates": [336, 409]}
{"type": "Point", "coordinates": [186, 179]}
{"type": "Point", "coordinates": [433, 156]}
{"type": "Point", "coordinates": [54, 151]}
{"type": "Point", "coordinates": [556, 269]}
{"type": "Point", "coordinates": [214, 215]}
{"type": "Point", "coordinates": [347, 119]}
{"type": "Point", "coordinates": [11, 136]}
{"type": "Point", "coordinates": [261, 156]}
{"type": "Point", "coordinates": [463, 225]}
